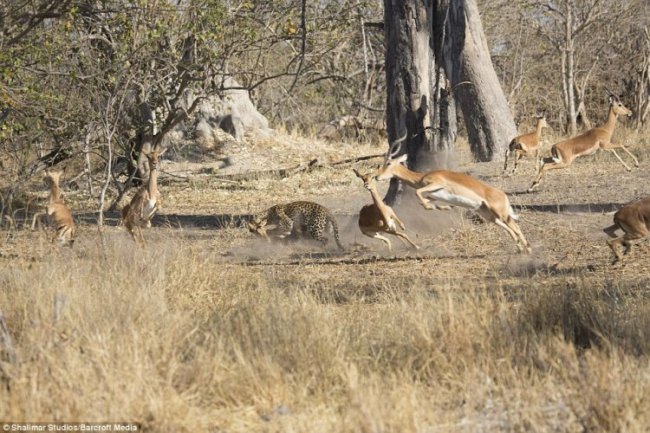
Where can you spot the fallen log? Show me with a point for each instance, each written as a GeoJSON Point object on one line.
{"type": "Point", "coordinates": [290, 171]}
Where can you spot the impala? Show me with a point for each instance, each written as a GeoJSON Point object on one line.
{"type": "Point", "coordinates": [455, 189]}
{"type": "Point", "coordinates": [378, 217]}
{"type": "Point", "coordinates": [565, 152]}
{"type": "Point", "coordinates": [526, 144]}
{"type": "Point", "coordinates": [634, 220]}
{"type": "Point", "coordinates": [145, 203]}
{"type": "Point", "coordinates": [57, 211]}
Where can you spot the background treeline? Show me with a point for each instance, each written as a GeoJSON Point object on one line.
{"type": "Point", "coordinates": [100, 79]}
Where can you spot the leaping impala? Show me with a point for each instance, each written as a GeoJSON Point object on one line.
{"type": "Point", "coordinates": [455, 189]}
{"type": "Point", "coordinates": [378, 217]}
{"type": "Point", "coordinates": [58, 213]}
{"type": "Point", "coordinates": [145, 203]}
{"type": "Point", "coordinates": [526, 144]}
{"type": "Point", "coordinates": [565, 152]}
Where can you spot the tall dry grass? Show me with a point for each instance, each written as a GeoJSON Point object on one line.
{"type": "Point", "coordinates": [178, 340]}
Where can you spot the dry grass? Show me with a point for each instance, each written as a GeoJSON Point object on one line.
{"type": "Point", "coordinates": [211, 330]}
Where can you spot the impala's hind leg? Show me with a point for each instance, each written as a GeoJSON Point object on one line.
{"type": "Point", "coordinates": [376, 235]}
{"type": "Point", "coordinates": [625, 242]}
{"type": "Point", "coordinates": [384, 239]}
{"type": "Point", "coordinates": [613, 245]}
{"type": "Point", "coordinates": [512, 234]}
{"type": "Point", "coordinates": [546, 167]}
{"type": "Point", "coordinates": [522, 239]}
{"type": "Point", "coordinates": [518, 154]}
{"type": "Point", "coordinates": [37, 219]}
{"type": "Point", "coordinates": [611, 230]}
{"type": "Point", "coordinates": [507, 224]}
{"type": "Point", "coordinates": [404, 238]}
{"type": "Point", "coordinates": [143, 242]}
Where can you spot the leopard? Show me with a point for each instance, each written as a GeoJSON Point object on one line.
{"type": "Point", "coordinates": [298, 219]}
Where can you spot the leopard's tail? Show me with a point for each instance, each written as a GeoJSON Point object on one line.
{"type": "Point", "coordinates": [335, 229]}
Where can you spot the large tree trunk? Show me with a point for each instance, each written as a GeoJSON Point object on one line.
{"type": "Point", "coordinates": [490, 124]}
{"type": "Point", "coordinates": [570, 99]}
{"type": "Point", "coordinates": [444, 104]}
{"type": "Point", "coordinates": [422, 36]}
{"type": "Point", "coordinates": [416, 100]}
{"type": "Point", "coordinates": [641, 84]}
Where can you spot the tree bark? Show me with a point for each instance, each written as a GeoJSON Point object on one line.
{"type": "Point", "coordinates": [641, 84]}
{"type": "Point", "coordinates": [444, 104]}
{"type": "Point", "coordinates": [569, 85]}
{"type": "Point", "coordinates": [416, 105]}
{"type": "Point", "coordinates": [489, 121]}
{"type": "Point", "coordinates": [428, 41]}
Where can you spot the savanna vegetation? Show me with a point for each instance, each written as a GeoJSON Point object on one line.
{"type": "Point", "coordinates": [209, 328]}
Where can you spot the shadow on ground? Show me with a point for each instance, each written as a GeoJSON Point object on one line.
{"type": "Point", "coordinates": [220, 221]}
{"type": "Point", "coordinates": [570, 207]}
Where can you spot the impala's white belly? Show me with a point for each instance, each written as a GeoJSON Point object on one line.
{"type": "Point", "coordinates": [150, 208]}
{"type": "Point", "coordinates": [455, 199]}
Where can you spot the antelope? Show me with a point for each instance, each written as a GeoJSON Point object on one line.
{"type": "Point", "coordinates": [587, 143]}
{"type": "Point", "coordinates": [634, 220]}
{"type": "Point", "coordinates": [145, 203]}
{"type": "Point", "coordinates": [455, 189]}
{"type": "Point", "coordinates": [526, 144]}
{"type": "Point", "coordinates": [379, 217]}
{"type": "Point", "coordinates": [58, 213]}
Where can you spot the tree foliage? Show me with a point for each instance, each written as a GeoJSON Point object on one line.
{"type": "Point", "coordinates": [532, 47]}
{"type": "Point", "coordinates": [97, 80]}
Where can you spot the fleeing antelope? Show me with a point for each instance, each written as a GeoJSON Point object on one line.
{"type": "Point", "coordinates": [526, 144]}
{"type": "Point", "coordinates": [634, 220]}
{"type": "Point", "coordinates": [455, 189]}
{"type": "Point", "coordinates": [145, 203]}
{"type": "Point", "coordinates": [58, 213]}
{"type": "Point", "coordinates": [565, 152]}
{"type": "Point", "coordinates": [379, 217]}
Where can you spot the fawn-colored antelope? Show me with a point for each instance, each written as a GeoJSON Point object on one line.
{"type": "Point", "coordinates": [378, 217]}
{"type": "Point", "coordinates": [634, 220]}
{"type": "Point", "coordinates": [587, 143]}
{"type": "Point", "coordinates": [526, 144]}
{"type": "Point", "coordinates": [145, 203]}
{"type": "Point", "coordinates": [455, 189]}
{"type": "Point", "coordinates": [58, 213]}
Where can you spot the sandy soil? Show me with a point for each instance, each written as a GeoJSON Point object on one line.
{"type": "Point", "coordinates": [205, 207]}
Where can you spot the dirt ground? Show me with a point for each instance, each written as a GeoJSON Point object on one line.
{"type": "Point", "coordinates": [206, 209]}
{"type": "Point", "coordinates": [209, 328]}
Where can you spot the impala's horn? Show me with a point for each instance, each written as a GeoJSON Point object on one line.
{"type": "Point", "coordinates": [395, 147]}
{"type": "Point", "coordinates": [611, 94]}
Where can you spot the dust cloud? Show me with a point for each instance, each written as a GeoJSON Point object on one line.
{"type": "Point", "coordinates": [421, 226]}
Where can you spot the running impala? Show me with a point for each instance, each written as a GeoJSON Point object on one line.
{"type": "Point", "coordinates": [455, 189]}
{"type": "Point", "coordinates": [634, 220]}
{"type": "Point", "coordinates": [58, 213]}
{"type": "Point", "coordinates": [145, 203]}
{"type": "Point", "coordinates": [378, 217]}
{"type": "Point", "coordinates": [565, 152]}
{"type": "Point", "coordinates": [526, 144]}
